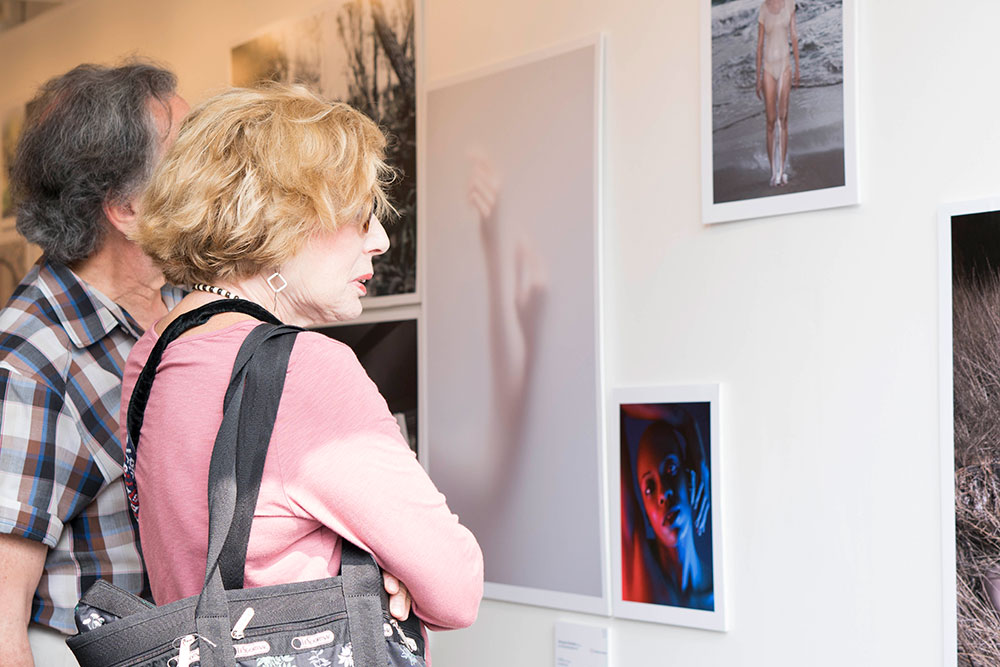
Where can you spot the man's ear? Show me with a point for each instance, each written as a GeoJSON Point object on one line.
{"type": "Point", "coordinates": [121, 215]}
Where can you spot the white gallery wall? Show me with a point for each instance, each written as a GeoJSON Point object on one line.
{"type": "Point", "coordinates": [821, 327]}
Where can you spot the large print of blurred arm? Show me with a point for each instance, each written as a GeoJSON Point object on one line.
{"type": "Point", "coordinates": [516, 287]}
{"type": "Point", "coordinates": [359, 477]}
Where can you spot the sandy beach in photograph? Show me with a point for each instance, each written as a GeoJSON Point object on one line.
{"type": "Point", "coordinates": [815, 149]}
{"type": "Point", "coordinates": [740, 166]}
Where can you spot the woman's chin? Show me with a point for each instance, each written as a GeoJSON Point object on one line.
{"type": "Point", "coordinates": [668, 539]}
{"type": "Point", "coordinates": [320, 316]}
{"type": "Point", "coordinates": [350, 312]}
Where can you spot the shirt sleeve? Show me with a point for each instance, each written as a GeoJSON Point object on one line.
{"type": "Point", "coordinates": [360, 478]}
{"type": "Point", "coordinates": [46, 475]}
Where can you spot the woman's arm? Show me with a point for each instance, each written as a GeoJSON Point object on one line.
{"type": "Point", "coordinates": [760, 60]}
{"type": "Point", "coordinates": [21, 564]}
{"type": "Point", "coordinates": [515, 294]}
{"type": "Point", "coordinates": [793, 33]}
{"type": "Point", "coordinates": [350, 469]}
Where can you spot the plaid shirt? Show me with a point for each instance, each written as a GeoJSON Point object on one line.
{"type": "Point", "coordinates": [63, 347]}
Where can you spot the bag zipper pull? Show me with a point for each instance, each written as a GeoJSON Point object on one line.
{"type": "Point", "coordinates": [409, 643]}
{"type": "Point", "coordinates": [242, 623]}
{"type": "Point", "coordinates": [186, 655]}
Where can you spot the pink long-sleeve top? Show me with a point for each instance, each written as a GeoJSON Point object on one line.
{"type": "Point", "coordinates": [337, 466]}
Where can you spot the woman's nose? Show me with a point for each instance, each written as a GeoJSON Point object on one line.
{"type": "Point", "coordinates": [376, 241]}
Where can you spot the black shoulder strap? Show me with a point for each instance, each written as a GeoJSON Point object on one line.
{"type": "Point", "coordinates": [257, 379]}
{"type": "Point", "coordinates": [262, 380]}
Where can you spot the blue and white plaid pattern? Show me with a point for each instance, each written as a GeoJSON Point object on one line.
{"type": "Point", "coordinates": [63, 347]}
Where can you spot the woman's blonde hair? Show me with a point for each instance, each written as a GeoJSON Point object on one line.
{"type": "Point", "coordinates": [254, 173]}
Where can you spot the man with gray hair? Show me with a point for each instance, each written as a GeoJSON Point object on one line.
{"type": "Point", "coordinates": [92, 139]}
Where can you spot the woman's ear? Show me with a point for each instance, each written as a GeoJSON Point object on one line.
{"type": "Point", "coordinates": [122, 215]}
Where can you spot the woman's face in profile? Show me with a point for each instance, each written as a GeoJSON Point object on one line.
{"type": "Point", "coordinates": [662, 482]}
{"type": "Point", "coordinates": [326, 280]}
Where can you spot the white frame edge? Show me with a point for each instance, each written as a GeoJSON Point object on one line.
{"type": "Point", "coordinates": [423, 453]}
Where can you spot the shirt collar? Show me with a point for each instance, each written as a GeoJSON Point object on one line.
{"type": "Point", "coordinates": [85, 313]}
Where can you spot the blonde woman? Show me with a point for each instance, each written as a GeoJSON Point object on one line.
{"type": "Point", "coordinates": [274, 196]}
{"type": "Point", "coordinates": [776, 29]}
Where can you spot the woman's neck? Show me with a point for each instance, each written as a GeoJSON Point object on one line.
{"type": "Point", "coordinates": [258, 290]}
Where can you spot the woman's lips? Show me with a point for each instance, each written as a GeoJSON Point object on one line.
{"type": "Point", "coordinates": [360, 282]}
{"type": "Point", "coordinates": [671, 519]}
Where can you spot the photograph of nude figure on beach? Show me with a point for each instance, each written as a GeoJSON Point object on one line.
{"type": "Point", "coordinates": [779, 118]}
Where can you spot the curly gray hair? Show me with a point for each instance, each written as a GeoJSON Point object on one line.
{"type": "Point", "coordinates": [90, 139]}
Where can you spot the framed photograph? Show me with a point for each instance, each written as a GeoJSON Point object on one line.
{"type": "Point", "coordinates": [16, 257]}
{"type": "Point", "coordinates": [665, 490]}
{"type": "Point", "coordinates": [386, 344]}
{"type": "Point", "coordinates": [364, 54]}
{"type": "Point", "coordinates": [970, 420]}
{"type": "Point", "coordinates": [11, 124]}
{"type": "Point", "coordinates": [778, 107]}
{"type": "Point", "coordinates": [512, 316]}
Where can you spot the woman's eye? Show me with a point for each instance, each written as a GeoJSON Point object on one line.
{"type": "Point", "coordinates": [648, 489]}
{"type": "Point", "coordinates": [671, 466]}
{"type": "Point", "coordinates": [365, 225]}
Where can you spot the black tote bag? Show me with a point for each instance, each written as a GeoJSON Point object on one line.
{"type": "Point", "coordinates": [340, 621]}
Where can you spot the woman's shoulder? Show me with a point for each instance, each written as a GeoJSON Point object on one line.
{"type": "Point", "coordinates": [319, 358]}
{"type": "Point", "coordinates": [139, 353]}
{"type": "Point", "coordinates": [328, 388]}
{"type": "Point", "coordinates": [321, 348]}
{"type": "Point", "coordinates": [145, 344]}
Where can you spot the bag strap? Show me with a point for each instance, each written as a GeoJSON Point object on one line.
{"type": "Point", "coordinates": [363, 590]}
{"type": "Point", "coordinates": [249, 411]}
{"type": "Point", "coordinates": [255, 424]}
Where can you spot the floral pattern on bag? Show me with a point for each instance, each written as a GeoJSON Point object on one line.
{"type": "Point", "coordinates": [338, 655]}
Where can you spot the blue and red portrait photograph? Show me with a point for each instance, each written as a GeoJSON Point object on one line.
{"type": "Point", "coordinates": [666, 504]}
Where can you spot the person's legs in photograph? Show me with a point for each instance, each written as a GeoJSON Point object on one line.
{"type": "Point", "coordinates": [771, 112]}
{"type": "Point", "coordinates": [784, 91]}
